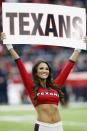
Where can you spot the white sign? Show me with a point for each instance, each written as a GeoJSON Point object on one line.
{"type": "Point", "coordinates": [30, 23]}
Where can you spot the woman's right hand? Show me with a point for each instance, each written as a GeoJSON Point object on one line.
{"type": "Point", "coordinates": [2, 37]}
{"type": "Point", "coordinates": [9, 47]}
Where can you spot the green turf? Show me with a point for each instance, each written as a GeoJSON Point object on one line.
{"type": "Point", "coordinates": [74, 119]}
{"type": "Point", "coordinates": [13, 126]}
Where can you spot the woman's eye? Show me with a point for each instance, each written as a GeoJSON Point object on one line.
{"type": "Point", "coordinates": [47, 69]}
{"type": "Point", "coordinates": [41, 68]}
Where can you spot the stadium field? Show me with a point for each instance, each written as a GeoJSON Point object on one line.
{"type": "Point", "coordinates": [22, 118]}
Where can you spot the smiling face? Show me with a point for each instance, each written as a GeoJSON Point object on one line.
{"type": "Point", "coordinates": [43, 71]}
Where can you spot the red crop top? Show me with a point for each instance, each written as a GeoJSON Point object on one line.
{"type": "Point", "coordinates": [45, 96]}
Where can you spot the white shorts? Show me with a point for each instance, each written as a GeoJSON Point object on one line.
{"type": "Point", "coordinates": [41, 126]}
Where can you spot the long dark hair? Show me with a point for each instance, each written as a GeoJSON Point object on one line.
{"type": "Point", "coordinates": [49, 82]}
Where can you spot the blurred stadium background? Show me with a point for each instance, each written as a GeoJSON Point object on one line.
{"type": "Point", "coordinates": [16, 111]}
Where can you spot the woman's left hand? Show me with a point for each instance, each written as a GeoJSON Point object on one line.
{"type": "Point", "coordinates": [2, 36]}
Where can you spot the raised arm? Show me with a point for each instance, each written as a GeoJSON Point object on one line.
{"type": "Point", "coordinates": [9, 47]}
{"type": "Point", "coordinates": [60, 80]}
{"type": "Point", "coordinates": [27, 80]}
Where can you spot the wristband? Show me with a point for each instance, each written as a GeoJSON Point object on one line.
{"type": "Point", "coordinates": [9, 46]}
{"type": "Point", "coordinates": [79, 50]}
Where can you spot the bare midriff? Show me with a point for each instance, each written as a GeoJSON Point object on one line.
{"type": "Point", "coordinates": [48, 113]}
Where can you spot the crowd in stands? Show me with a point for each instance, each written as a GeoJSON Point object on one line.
{"type": "Point", "coordinates": [56, 56]}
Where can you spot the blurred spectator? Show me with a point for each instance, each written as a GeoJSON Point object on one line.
{"type": "Point", "coordinates": [15, 88]}
{"type": "Point", "coordinates": [3, 87]}
{"type": "Point", "coordinates": [40, 1]}
{"type": "Point", "coordinates": [1, 50]}
{"type": "Point", "coordinates": [1, 3]}
{"type": "Point", "coordinates": [81, 93]}
{"type": "Point", "coordinates": [11, 1]}
{"type": "Point", "coordinates": [79, 3]}
{"type": "Point", "coordinates": [25, 1]}
{"type": "Point", "coordinates": [59, 62]}
{"type": "Point", "coordinates": [68, 2]}
{"type": "Point", "coordinates": [0, 15]}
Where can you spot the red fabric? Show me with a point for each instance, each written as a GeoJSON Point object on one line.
{"type": "Point", "coordinates": [26, 78]}
{"type": "Point", "coordinates": [46, 96]}
{"type": "Point", "coordinates": [29, 83]}
{"type": "Point", "coordinates": [61, 78]}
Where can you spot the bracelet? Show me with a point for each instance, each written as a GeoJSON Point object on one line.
{"type": "Point", "coordinates": [79, 50]}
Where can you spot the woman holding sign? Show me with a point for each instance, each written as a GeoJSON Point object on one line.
{"type": "Point", "coordinates": [44, 92]}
